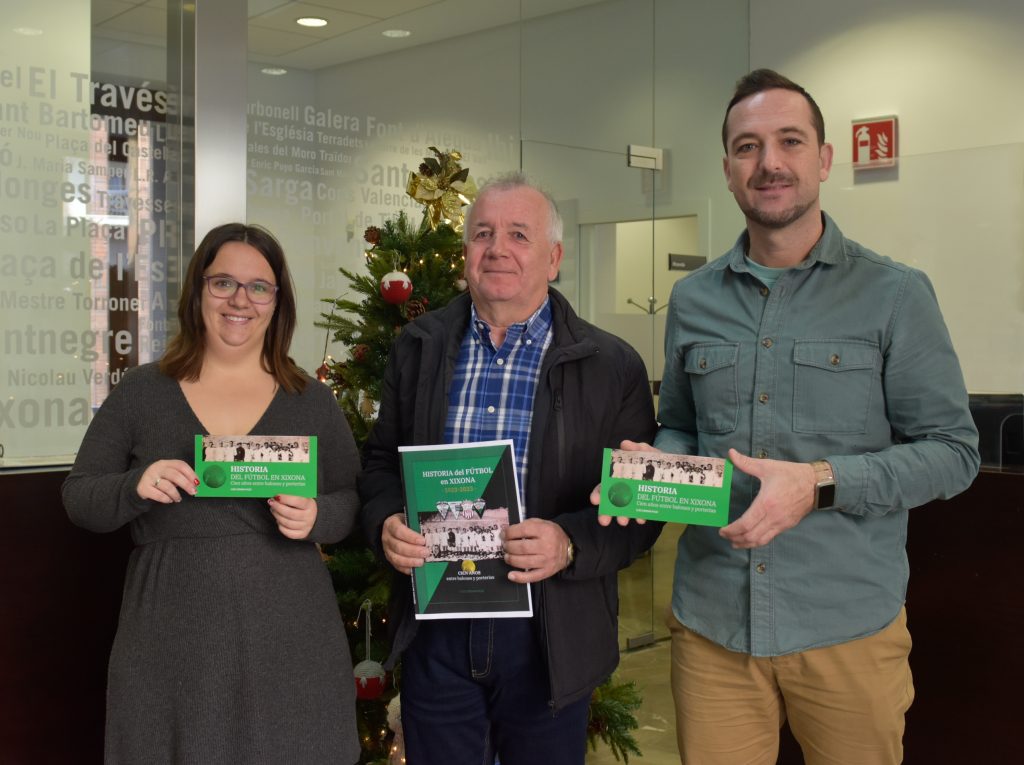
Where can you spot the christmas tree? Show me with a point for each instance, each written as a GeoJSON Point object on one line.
{"type": "Point", "coordinates": [410, 269]}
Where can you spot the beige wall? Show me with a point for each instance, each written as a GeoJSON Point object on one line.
{"type": "Point", "coordinates": [563, 95]}
{"type": "Point", "coordinates": [955, 208]}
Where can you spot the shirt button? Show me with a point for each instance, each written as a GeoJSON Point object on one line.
{"type": "Point", "coordinates": [834, 359]}
{"type": "Point", "coordinates": [490, 410]}
{"type": "Point", "coordinates": [764, 291]}
{"type": "Point", "coordinates": [763, 398]}
{"type": "Point", "coordinates": [761, 568]}
{"type": "Point", "coordinates": [767, 342]}
{"type": "Point", "coordinates": [500, 362]}
{"type": "Point", "coordinates": [762, 454]}
{"type": "Point", "coordinates": [528, 342]}
{"type": "Point", "coordinates": [703, 363]}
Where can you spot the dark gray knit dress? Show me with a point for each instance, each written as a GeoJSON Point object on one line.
{"type": "Point", "coordinates": [230, 648]}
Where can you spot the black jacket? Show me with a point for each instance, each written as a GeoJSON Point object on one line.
{"type": "Point", "coordinates": [593, 392]}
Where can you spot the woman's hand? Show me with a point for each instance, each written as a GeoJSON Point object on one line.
{"type": "Point", "coordinates": [165, 480]}
{"type": "Point", "coordinates": [295, 516]}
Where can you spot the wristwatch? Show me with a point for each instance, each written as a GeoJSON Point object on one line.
{"type": "Point", "coordinates": [570, 555]}
{"type": "Point", "coordinates": [825, 485]}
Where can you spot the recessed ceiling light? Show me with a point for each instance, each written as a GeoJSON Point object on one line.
{"type": "Point", "coordinates": [28, 31]}
{"type": "Point", "coordinates": [311, 21]}
{"type": "Point", "coordinates": [396, 33]}
{"type": "Point", "coordinates": [274, 70]}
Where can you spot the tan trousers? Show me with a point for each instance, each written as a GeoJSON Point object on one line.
{"type": "Point", "coordinates": [845, 703]}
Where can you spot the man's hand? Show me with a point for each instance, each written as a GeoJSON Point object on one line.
{"type": "Point", "coordinates": [595, 495]}
{"type": "Point", "coordinates": [539, 547]}
{"type": "Point", "coordinates": [785, 497]}
{"type": "Point", "coordinates": [403, 547]}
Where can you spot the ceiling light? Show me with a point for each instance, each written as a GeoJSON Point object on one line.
{"type": "Point", "coordinates": [28, 31]}
{"type": "Point", "coordinates": [396, 33]}
{"type": "Point", "coordinates": [276, 71]}
{"type": "Point", "coordinates": [311, 21]}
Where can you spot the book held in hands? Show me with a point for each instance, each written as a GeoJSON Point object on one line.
{"type": "Point", "coordinates": [462, 497]}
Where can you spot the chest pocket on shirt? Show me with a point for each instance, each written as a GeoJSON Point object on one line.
{"type": "Point", "coordinates": [713, 378]}
{"type": "Point", "coordinates": [832, 385]}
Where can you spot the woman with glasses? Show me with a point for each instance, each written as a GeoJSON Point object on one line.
{"type": "Point", "coordinates": [230, 647]}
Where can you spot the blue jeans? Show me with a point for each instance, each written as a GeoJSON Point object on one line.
{"type": "Point", "coordinates": [473, 688]}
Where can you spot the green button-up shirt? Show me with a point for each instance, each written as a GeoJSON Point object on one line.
{"type": "Point", "coordinates": [846, 358]}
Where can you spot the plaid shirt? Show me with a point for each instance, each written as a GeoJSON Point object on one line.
{"type": "Point", "coordinates": [492, 391]}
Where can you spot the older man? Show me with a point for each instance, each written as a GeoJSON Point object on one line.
{"type": "Point", "coordinates": [511, 360]}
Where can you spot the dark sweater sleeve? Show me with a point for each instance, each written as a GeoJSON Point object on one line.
{"type": "Point", "coordinates": [99, 492]}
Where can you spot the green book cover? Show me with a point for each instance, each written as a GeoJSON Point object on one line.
{"type": "Point", "coordinates": [255, 466]}
{"type": "Point", "coordinates": [678, 488]}
{"type": "Point", "coordinates": [461, 497]}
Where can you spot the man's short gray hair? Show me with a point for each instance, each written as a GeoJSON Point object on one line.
{"type": "Point", "coordinates": [516, 180]}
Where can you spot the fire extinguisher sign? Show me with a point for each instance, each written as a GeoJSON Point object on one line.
{"type": "Point", "coordinates": [875, 143]}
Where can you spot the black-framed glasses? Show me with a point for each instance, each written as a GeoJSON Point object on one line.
{"type": "Point", "coordinates": [224, 287]}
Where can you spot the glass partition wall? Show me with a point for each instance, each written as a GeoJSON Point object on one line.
{"type": "Point", "coordinates": [611, 109]}
{"type": "Point", "coordinates": [89, 224]}
{"type": "Point", "coordinates": [95, 175]}
{"type": "Point", "coordinates": [586, 96]}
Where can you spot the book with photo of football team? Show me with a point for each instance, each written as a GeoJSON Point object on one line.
{"type": "Point", "coordinates": [462, 497]}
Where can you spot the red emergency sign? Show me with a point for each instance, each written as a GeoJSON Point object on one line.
{"type": "Point", "coordinates": [875, 143]}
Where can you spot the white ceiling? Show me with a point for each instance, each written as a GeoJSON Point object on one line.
{"type": "Point", "coordinates": [353, 31]}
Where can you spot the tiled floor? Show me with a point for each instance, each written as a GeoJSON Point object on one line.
{"type": "Point", "coordinates": [644, 593]}
{"type": "Point", "coordinates": [656, 736]}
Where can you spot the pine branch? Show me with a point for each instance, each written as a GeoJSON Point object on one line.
{"type": "Point", "coordinates": [611, 718]}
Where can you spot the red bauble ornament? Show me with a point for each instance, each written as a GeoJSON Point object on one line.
{"type": "Point", "coordinates": [370, 679]}
{"type": "Point", "coordinates": [369, 674]}
{"type": "Point", "coordinates": [396, 287]}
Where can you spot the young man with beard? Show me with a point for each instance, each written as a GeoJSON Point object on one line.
{"type": "Point", "coordinates": [826, 374]}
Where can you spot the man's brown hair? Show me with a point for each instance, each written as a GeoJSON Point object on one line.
{"type": "Point", "coordinates": [761, 80]}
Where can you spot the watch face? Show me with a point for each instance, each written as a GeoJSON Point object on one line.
{"type": "Point", "coordinates": [825, 496]}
